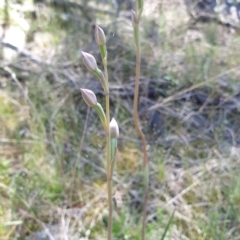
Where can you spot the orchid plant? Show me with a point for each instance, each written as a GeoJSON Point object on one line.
{"type": "Point", "coordinates": [111, 128]}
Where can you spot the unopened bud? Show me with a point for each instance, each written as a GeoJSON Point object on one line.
{"type": "Point", "coordinates": [114, 130]}
{"type": "Point", "coordinates": [89, 61]}
{"type": "Point", "coordinates": [99, 36]}
{"type": "Point", "coordinates": [89, 97]}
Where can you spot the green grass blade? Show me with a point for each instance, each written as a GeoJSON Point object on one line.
{"type": "Point", "coordinates": [168, 225]}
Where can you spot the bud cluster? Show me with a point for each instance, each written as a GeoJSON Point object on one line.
{"type": "Point", "coordinates": [88, 96]}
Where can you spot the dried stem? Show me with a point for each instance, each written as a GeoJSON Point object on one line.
{"type": "Point", "coordinates": [136, 122]}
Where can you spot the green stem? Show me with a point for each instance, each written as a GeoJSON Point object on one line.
{"type": "Point", "coordinates": [137, 126]}
{"type": "Point", "coordinates": [113, 154]}
{"type": "Point", "coordinates": [109, 177]}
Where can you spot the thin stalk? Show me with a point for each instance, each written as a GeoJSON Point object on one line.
{"type": "Point", "coordinates": [109, 177]}
{"type": "Point", "coordinates": [137, 126]}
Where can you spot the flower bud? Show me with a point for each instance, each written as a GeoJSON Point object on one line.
{"type": "Point", "coordinates": [89, 97]}
{"type": "Point", "coordinates": [89, 61]}
{"type": "Point", "coordinates": [99, 36]}
{"type": "Point", "coordinates": [114, 130]}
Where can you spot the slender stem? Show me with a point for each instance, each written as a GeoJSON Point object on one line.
{"type": "Point", "coordinates": [109, 177]}
{"type": "Point", "coordinates": [137, 126]}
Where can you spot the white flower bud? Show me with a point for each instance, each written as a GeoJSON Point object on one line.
{"type": "Point", "coordinates": [114, 130]}
{"type": "Point", "coordinates": [89, 61]}
{"type": "Point", "coordinates": [99, 36]}
{"type": "Point", "coordinates": [89, 97]}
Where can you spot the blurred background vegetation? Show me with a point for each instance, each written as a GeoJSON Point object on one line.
{"type": "Point", "coordinates": [52, 163]}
